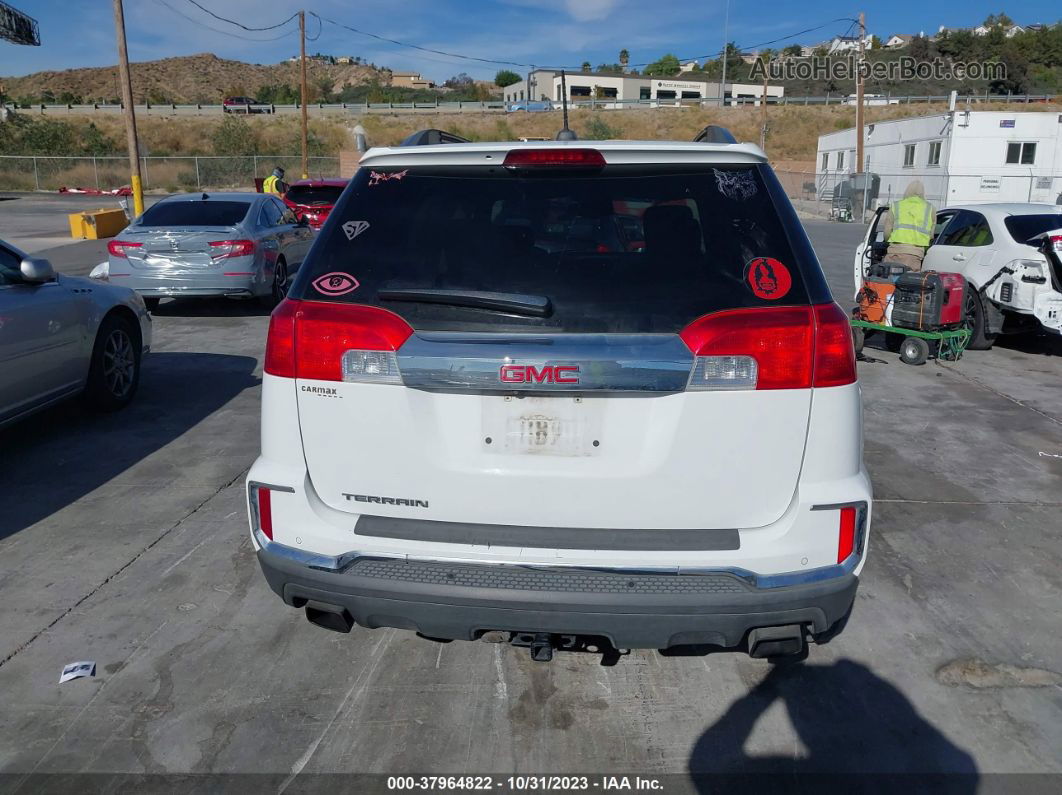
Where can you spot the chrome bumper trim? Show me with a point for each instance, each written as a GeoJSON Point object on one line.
{"type": "Point", "coordinates": [338, 564]}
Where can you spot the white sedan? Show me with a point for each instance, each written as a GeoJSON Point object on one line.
{"type": "Point", "coordinates": [1008, 252]}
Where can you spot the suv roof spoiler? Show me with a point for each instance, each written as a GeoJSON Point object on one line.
{"type": "Point", "coordinates": [433, 136]}
{"type": "Point", "coordinates": [715, 134]}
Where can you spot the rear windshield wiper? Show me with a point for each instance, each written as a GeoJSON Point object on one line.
{"type": "Point", "coordinates": [516, 303]}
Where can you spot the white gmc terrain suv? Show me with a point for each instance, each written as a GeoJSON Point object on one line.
{"type": "Point", "coordinates": [549, 391]}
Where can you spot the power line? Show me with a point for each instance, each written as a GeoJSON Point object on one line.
{"type": "Point", "coordinates": [219, 30]}
{"type": "Point", "coordinates": [240, 24]}
{"type": "Point", "coordinates": [417, 46]}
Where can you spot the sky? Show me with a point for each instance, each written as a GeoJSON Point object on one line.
{"type": "Point", "coordinates": [78, 33]}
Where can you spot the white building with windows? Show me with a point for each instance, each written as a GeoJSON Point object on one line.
{"type": "Point", "coordinates": [960, 156]}
{"type": "Point", "coordinates": [545, 85]}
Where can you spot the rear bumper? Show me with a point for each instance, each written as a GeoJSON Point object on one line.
{"type": "Point", "coordinates": [632, 609]}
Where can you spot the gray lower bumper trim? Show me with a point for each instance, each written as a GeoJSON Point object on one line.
{"type": "Point", "coordinates": [632, 610]}
{"type": "Point", "coordinates": [497, 535]}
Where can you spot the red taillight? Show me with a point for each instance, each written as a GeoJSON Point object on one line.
{"type": "Point", "coordinates": [265, 512]}
{"type": "Point", "coordinates": [846, 537]}
{"type": "Point", "coordinates": [835, 363]}
{"type": "Point", "coordinates": [223, 249]}
{"type": "Point", "coordinates": [307, 339]}
{"type": "Point", "coordinates": [561, 156]}
{"type": "Point", "coordinates": [778, 338]}
{"type": "Point", "coordinates": [117, 248]}
{"type": "Point", "coordinates": [794, 347]}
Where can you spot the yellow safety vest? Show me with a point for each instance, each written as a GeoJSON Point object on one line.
{"type": "Point", "coordinates": [269, 184]}
{"type": "Point", "coordinates": [912, 221]}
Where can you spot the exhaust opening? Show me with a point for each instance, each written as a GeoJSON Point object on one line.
{"type": "Point", "coordinates": [327, 616]}
{"type": "Point", "coordinates": [782, 641]}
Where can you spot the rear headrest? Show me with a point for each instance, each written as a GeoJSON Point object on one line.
{"type": "Point", "coordinates": [671, 229]}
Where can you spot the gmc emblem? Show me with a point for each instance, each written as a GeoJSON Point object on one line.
{"type": "Point", "coordinates": [549, 374]}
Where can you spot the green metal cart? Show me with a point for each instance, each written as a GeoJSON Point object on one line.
{"type": "Point", "coordinates": [915, 347]}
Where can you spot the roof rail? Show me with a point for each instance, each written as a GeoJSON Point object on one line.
{"type": "Point", "coordinates": [433, 136]}
{"type": "Point", "coordinates": [715, 134]}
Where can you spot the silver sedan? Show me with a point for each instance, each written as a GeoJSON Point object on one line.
{"type": "Point", "coordinates": [61, 336]}
{"type": "Point", "coordinates": [199, 244]}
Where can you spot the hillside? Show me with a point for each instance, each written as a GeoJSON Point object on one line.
{"type": "Point", "coordinates": [194, 78]}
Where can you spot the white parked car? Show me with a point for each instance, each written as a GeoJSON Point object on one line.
{"type": "Point", "coordinates": [487, 412]}
{"type": "Point", "coordinates": [1007, 252]}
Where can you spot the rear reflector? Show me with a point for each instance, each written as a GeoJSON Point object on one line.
{"type": "Point", "coordinates": [334, 342]}
{"type": "Point", "coordinates": [847, 534]}
{"type": "Point", "coordinates": [120, 248]}
{"type": "Point", "coordinates": [835, 363]}
{"type": "Point", "coordinates": [783, 347]}
{"type": "Point", "coordinates": [265, 512]}
{"type": "Point", "coordinates": [548, 158]}
{"type": "Point", "coordinates": [223, 249]}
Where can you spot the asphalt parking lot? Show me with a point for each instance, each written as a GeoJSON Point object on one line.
{"type": "Point", "coordinates": [123, 540]}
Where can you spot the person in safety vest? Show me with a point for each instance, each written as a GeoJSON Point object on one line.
{"type": "Point", "coordinates": [275, 183]}
{"type": "Point", "coordinates": [908, 226]}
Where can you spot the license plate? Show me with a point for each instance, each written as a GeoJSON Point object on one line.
{"type": "Point", "coordinates": [560, 426]}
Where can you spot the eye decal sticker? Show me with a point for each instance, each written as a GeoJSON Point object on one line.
{"type": "Point", "coordinates": [354, 228]}
{"type": "Point", "coordinates": [336, 283]}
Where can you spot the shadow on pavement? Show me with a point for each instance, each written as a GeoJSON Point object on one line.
{"type": "Point", "coordinates": [57, 456]}
{"type": "Point", "coordinates": [211, 307]}
{"type": "Point", "coordinates": [852, 723]}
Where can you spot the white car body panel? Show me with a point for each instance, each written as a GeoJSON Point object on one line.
{"type": "Point", "coordinates": [980, 264]}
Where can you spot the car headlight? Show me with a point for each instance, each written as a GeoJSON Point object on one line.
{"type": "Point", "coordinates": [101, 272]}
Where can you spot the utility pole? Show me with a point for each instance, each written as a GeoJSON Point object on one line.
{"type": "Point", "coordinates": [859, 92]}
{"type": "Point", "coordinates": [726, 51]}
{"type": "Point", "coordinates": [130, 116]}
{"type": "Point", "coordinates": [302, 64]}
{"type": "Point", "coordinates": [763, 107]}
{"type": "Point", "coordinates": [859, 111]}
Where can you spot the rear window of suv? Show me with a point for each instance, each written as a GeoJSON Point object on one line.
{"type": "Point", "coordinates": [195, 213]}
{"type": "Point", "coordinates": [312, 195]}
{"type": "Point", "coordinates": [632, 249]}
{"type": "Point", "coordinates": [1024, 227]}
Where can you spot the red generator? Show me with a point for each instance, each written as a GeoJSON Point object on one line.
{"type": "Point", "coordinates": [929, 301]}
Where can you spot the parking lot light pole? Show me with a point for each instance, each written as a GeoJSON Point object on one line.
{"type": "Point", "coordinates": [130, 116]}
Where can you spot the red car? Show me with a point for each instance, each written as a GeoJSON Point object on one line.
{"type": "Point", "coordinates": [313, 199]}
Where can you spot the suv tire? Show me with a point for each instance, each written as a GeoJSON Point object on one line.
{"type": "Point", "coordinates": [975, 319]}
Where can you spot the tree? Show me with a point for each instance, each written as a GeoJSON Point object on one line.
{"type": "Point", "coordinates": [919, 48]}
{"type": "Point", "coordinates": [876, 43]}
{"type": "Point", "coordinates": [506, 77]}
{"type": "Point", "coordinates": [821, 51]}
{"type": "Point", "coordinates": [665, 65]}
{"type": "Point", "coordinates": [793, 51]}
{"type": "Point", "coordinates": [1000, 20]}
{"type": "Point", "coordinates": [461, 80]}
{"type": "Point", "coordinates": [608, 67]}
{"type": "Point", "coordinates": [586, 66]}
{"type": "Point", "coordinates": [624, 58]}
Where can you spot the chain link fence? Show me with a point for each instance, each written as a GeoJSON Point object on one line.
{"type": "Point", "coordinates": [167, 174]}
{"type": "Point", "coordinates": [836, 194]}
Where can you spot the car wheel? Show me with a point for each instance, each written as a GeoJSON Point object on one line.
{"type": "Point", "coordinates": [914, 350]}
{"type": "Point", "coordinates": [114, 373]}
{"type": "Point", "coordinates": [152, 303]}
{"type": "Point", "coordinates": [975, 321]}
{"type": "Point", "coordinates": [279, 289]}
